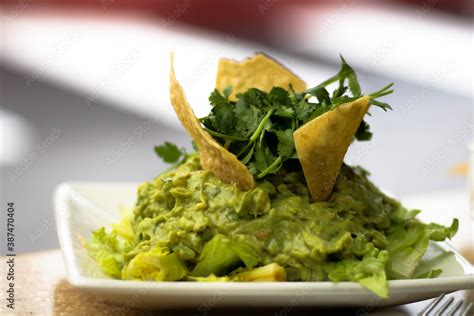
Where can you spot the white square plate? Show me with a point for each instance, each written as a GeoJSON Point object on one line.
{"type": "Point", "coordinates": [83, 207]}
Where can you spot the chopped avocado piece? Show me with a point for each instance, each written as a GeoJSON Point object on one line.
{"type": "Point", "coordinates": [209, 278]}
{"type": "Point", "coordinates": [270, 273]}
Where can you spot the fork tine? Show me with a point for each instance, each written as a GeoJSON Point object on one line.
{"type": "Point", "coordinates": [455, 307]}
{"type": "Point", "coordinates": [425, 311]}
{"type": "Point", "coordinates": [466, 310]}
{"type": "Point", "coordinates": [444, 306]}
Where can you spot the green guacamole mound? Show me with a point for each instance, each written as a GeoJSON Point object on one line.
{"type": "Point", "coordinates": [189, 225]}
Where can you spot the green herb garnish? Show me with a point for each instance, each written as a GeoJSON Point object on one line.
{"type": "Point", "coordinates": [170, 153]}
{"type": "Point", "coordinates": [258, 128]}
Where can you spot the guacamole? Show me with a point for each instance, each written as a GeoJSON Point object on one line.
{"type": "Point", "coordinates": [267, 196]}
{"type": "Point", "coordinates": [189, 225]}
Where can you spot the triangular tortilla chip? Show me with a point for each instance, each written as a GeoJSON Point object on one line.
{"type": "Point", "coordinates": [322, 143]}
{"type": "Point", "coordinates": [214, 157]}
{"type": "Point", "coordinates": [260, 72]}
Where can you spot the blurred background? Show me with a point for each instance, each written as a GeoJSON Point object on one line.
{"type": "Point", "coordinates": [84, 89]}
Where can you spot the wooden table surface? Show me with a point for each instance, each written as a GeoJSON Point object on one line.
{"type": "Point", "coordinates": [41, 288]}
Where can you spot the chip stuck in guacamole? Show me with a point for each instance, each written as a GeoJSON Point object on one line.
{"type": "Point", "coordinates": [267, 195]}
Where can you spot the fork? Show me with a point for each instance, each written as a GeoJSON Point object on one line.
{"type": "Point", "coordinates": [443, 305]}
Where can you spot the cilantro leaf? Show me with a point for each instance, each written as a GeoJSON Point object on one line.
{"type": "Point", "coordinates": [303, 108]}
{"type": "Point", "coordinates": [224, 117]}
{"type": "Point", "coordinates": [322, 95]}
{"type": "Point", "coordinates": [248, 116]}
{"type": "Point", "coordinates": [227, 92]}
{"type": "Point", "coordinates": [363, 132]}
{"type": "Point", "coordinates": [351, 78]}
{"type": "Point", "coordinates": [170, 153]}
{"type": "Point", "coordinates": [216, 98]}
{"type": "Point", "coordinates": [262, 158]}
{"type": "Point", "coordinates": [285, 111]}
{"type": "Point", "coordinates": [195, 146]}
{"type": "Point", "coordinates": [286, 143]}
{"type": "Point", "coordinates": [279, 95]}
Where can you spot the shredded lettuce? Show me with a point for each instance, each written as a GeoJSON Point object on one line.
{"type": "Point", "coordinates": [408, 243]}
{"type": "Point", "coordinates": [431, 274]}
{"type": "Point", "coordinates": [369, 272]}
{"type": "Point", "coordinates": [157, 264]}
{"type": "Point", "coordinates": [221, 255]}
{"type": "Point", "coordinates": [107, 249]}
{"type": "Point", "coordinates": [112, 252]}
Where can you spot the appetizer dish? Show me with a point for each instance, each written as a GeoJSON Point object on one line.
{"type": "Point", "coordinates": [266, 196]}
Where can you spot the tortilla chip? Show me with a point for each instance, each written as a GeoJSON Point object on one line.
{"type": "Point", "coordinates": [214, 157]}
{"type": "Point", "coordinates": [260, 72]}
{"type": "Point", "coordinates": [322, 143]}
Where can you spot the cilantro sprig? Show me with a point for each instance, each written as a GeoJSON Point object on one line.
{"type": "Point", "coordinates": [258, 128]}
